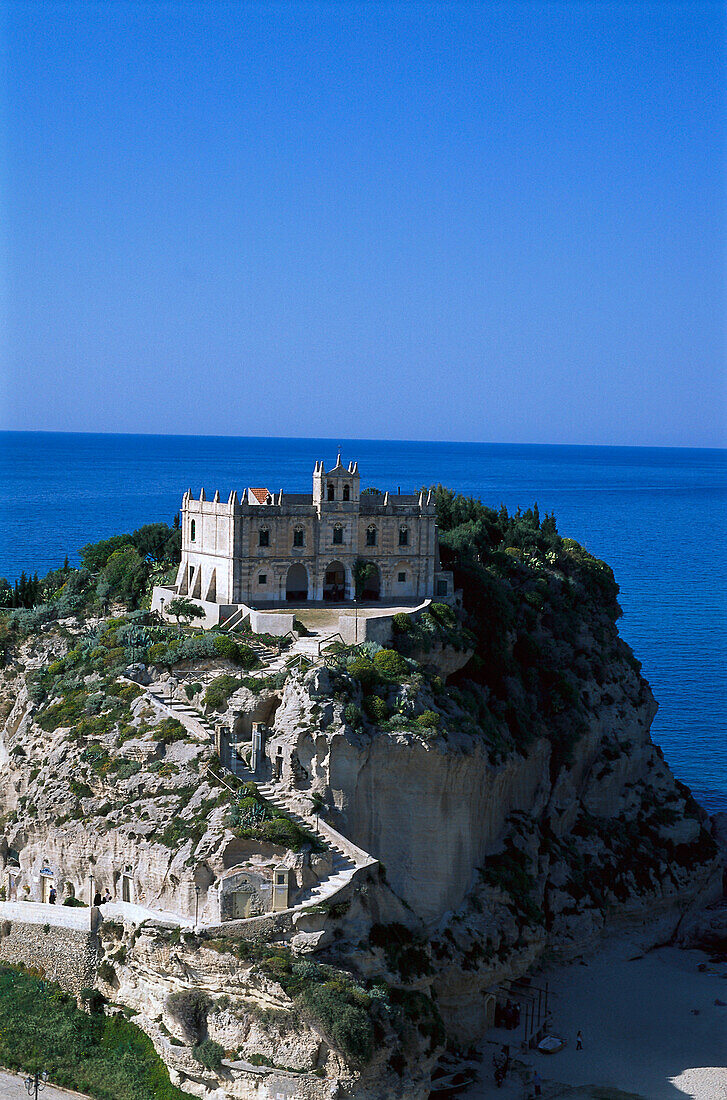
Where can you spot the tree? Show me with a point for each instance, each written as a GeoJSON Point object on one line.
{"type": "Point", "coordinates": [152, 541]}
{"type": "Point", "coordinates": [363, 571]}
{"type": "Point", "coordinates": [183, 608]}
{"type": "Point", "coordinates": [95, 555]}
{"type": "Point", "coordinates": [125, 574]}
{"type": "Point", "coordinates": [6, 593]}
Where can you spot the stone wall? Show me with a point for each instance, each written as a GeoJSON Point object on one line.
{"type": "Point", "coordinates": [68, 956]}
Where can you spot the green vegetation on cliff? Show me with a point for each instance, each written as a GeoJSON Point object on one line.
{"type": "Point", "coordinates": [543, 613]}
{"type": "Point", "coordinates": [107, 1057]}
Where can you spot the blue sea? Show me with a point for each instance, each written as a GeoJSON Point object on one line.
{"type": "Point", "coordinates": [658, 516]}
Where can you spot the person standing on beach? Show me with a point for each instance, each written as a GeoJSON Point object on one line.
{"type": "Point", "coordinates": [579, 1040]}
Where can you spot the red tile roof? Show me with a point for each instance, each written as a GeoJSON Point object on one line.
{"type": "Point", "coordinates": [261, 495]}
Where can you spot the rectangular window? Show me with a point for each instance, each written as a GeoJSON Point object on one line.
{"type": "Point", "coordinates": [441, 588]}
{"type": "Point", "coordinates": [402, 578]}
{"type": "Point", "coordinates": [263, 578]}
{"type": "Point", "coordinates": [297, 538]}
{"type": "Point", "coordinates": [403, 536]}
{"type": "Point", "coordinates": [264, 539]}
{"type": "Point", "coordinates": [371, 536]}
{"type": "Point", "coordinates": [337, 536]}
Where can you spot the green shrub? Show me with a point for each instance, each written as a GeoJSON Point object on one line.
{"type": "Point", "coordinates": [401, 622]}
{"type": "Point", "coordinates": [79, 789]}
{"type": "Point", "coordinates": [390, 664]}
{"type": "Point", "coordinates": [443, 613]}
{"type": "Point", "coordinates": [169, 730]}
{"type": "Point", "coordinates": [352, 715]}
{"type": "Point", "coordinates": [236, 652]}
{"type": "Point", "coordinates": [429, 719]}
{"type": "Point", "coordinates": [220, 690]}
{"type": "Point", "coordinates": [190, 690]}
{"type": "Point", "coordinates": [189, 1008]}
{"type": "Point", "coordinates": [106, 971]}
{"type": "Point", "coordinates": [376, 708]}
{"type": "Point", "coordinates": [157, 653]}
{"type": "Point", "coordinates": [509, 870]}
{"type": "Point", "coordinates": [251, 817]}
{"type": "Point", "coordinates": [347, 1026]}
{"type": "Point", "coordinates": [364, 671]}
{"type": "Point", "coordinates": [405, 955]}
{"type": "Point", "coordinates": [125, 769]}
{"type": "Point", "coordinates": [277, 965]}
{"type": "Point", "coordinates": [209, 1053]}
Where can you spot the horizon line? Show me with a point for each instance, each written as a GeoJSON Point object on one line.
{"type": "Point", "coordinates": [362, 439]}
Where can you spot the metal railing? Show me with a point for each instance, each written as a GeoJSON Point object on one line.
{"type": "Point", "coordinates": [329, 639]}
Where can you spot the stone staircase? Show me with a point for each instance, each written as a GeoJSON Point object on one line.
{"type": "Point", "coordinates": [189, 716]}
{"type": "Point", "coordinates": [343, 867]}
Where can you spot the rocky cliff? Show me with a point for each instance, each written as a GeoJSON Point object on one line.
{"type": "Point", "coordinates": [495, 759]}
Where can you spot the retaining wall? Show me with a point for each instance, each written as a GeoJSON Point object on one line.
{"type": "Point", "coordinates": [69, 956]}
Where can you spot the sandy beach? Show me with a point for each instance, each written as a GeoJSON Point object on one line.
{"type": "Point", "coordinates": [652, 1030]}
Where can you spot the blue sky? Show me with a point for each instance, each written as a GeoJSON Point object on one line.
{"type": "Point", "coordinates": [502, 222]}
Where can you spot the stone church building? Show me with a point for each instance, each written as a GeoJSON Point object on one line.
{"type": "Point", "coordinates": [268, 548]}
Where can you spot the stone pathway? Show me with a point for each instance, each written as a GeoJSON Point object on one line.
{"type": "Point", "coordinates": [124, 910]}
{"type": "Point", "coordinates": [12, 1088]}
{"type": "Point", "coordinates": [62, 916]}
{"type": "Point", "coordinates": [36, 912]}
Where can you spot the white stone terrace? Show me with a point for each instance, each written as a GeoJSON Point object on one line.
{"type": "Point", "coordinates": [80, 917]}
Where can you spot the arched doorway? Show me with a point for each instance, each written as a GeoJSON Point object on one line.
{"type": "Point", "coordinates": [371, 588]}
{"type": "Point", "coordinates": [334, 582]}
{"type": "Point", "coordinates": [296, 584]}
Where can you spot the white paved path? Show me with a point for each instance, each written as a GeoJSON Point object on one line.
{"type": "Point", "coordinates": [12, 1088]}
{"type": "Point", "coordinates": [64, 916]}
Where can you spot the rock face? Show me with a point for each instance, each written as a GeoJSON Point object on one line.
{"type": "Point", "coordinates": [499, 861]}
{"type": "Point", "coordinates": [511, 813]}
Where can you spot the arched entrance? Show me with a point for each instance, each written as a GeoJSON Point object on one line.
{"type": "Point", "coordinates": [371, 587]}
{"type": "Point", "coordinates": [296, 584]}
{"type": "Point", "coordinates": [334, 582]}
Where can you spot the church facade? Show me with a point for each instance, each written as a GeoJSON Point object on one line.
{"type": "Point", "coordinates": [266, 548]}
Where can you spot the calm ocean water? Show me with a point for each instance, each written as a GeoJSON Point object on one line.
{"type": "Point", "coordinates": [658, 516]}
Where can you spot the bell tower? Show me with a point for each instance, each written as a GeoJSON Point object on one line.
{"type": "Point", "coordinates": [338, 487]}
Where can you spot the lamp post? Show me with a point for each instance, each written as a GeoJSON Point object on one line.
{"type": "Point", "coordinates": [35, 1083]}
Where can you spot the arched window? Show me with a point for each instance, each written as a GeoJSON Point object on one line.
{"type": "Point", "coordinates": [299, 537]}
{"type": "Point", "coordinates": [338, 535]}
{"type": "Point", "coordinates": [331, 491]}
{"type": "Point", "coordinates": [192, 531]}
{"type": "Point", "coordinates": [346, 492]}
{"type": "Point", "coordinates": [264, 537]}
{"type": "Point", "coordinates": [371, 534]}
{"type": "Point", "coordinates": [403, 536]}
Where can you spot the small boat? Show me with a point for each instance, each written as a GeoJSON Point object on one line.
{"type": "Point", "coordinates": [551, 1044]}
